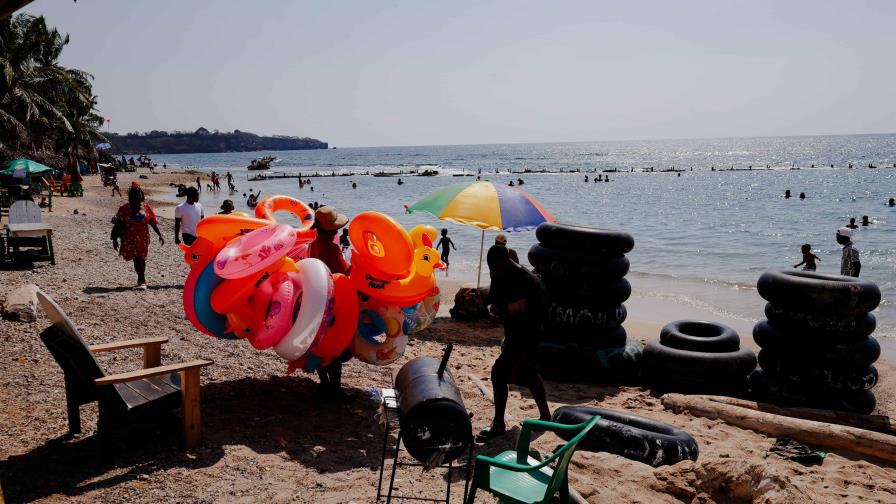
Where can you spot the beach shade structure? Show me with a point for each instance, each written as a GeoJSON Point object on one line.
{"type": "Point", "coordinates": [24, 168]}
{"type": "Point", "coordinates": [103, 146]}
{"type": "Point", "coordinates": [487, 206]}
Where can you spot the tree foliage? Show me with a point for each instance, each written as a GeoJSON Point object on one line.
{"type": "Point", "coordinates": [45, 108]}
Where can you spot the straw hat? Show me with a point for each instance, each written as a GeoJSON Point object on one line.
{"type": "Point", "coordinates": [328, 219]}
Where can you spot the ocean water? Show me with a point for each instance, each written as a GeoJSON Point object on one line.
{"type": "Point", "coordinates": [702, 238]}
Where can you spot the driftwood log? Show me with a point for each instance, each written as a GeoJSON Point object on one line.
{"type": "Point", "coordinates": [811, 432]}
{"type": "Point", "coordinates": [21, 304]}
{"type": "Point", "coordinates": [876, 423]}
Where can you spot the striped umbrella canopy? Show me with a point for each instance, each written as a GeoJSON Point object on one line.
{"type": "Point", "coordinates": [486, 206]}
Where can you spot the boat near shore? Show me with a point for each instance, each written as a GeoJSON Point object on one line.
{"type": "Point", "coordinates": [263, 163]}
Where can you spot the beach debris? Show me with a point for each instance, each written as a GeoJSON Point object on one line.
{"type": "Point", "coordinates": [796, 451]}
{"type": "Point", "coordinates": [829, 435]}
{"type": "Point", "coordinates": [21, 304]}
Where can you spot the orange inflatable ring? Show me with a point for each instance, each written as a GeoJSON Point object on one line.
{"type": "Point", "coordinates": [342, 324]}
{"type": "Point", "coordinates": [382, 241]}
{"type": "Point", "coordinates": [267, 207]}
{"type": "Point", "coordinates": [232, 294]}
{"type": "Point", "coordinates": [405, 291]}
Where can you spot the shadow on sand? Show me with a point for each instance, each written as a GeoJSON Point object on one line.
{"type": "Point", "coordinates": [278, 415]}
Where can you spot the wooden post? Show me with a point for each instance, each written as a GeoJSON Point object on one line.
{"type": "Point", "coordinates": [152, 355]}
{"type": "Point", "coordinates": [189, 393]}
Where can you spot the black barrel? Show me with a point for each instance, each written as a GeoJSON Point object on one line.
{"type": "Point", "coordinates": [434, 422]}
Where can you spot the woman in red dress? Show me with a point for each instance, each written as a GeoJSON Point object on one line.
{"type": "Point", "coordinates": [131, 225]}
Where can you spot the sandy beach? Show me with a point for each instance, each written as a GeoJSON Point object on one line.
{"type": "Point", "coordinates": [267, 438]}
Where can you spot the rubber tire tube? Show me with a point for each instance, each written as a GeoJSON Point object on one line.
{"type": "Point", "coordinates": [839, 378]}
{"type": "Point", "coordinates": [586, 363]}
{"type": "Point", "coordinates": [572, 292]}
{"type": "Point", "coordinates": [697, 365]}
{"type": "Point", "coordinates": [860, 352]}
{"type": "Point", "coordinates": [584, 318]}
{"type": "Point", "coordinates": [700, 336]}
{"type": "Point", "coordinates": [608, 338]}
{"type": "Point", "coordinates": [572, 237]}
{"type": "Point", "coordinates": [632, 436]}
{"type": "Point", "coordinates": [845, 327]}
{"type": "Point", "coordinates": [576, 265]}
{"type": "Point", "coordinates": [766, 388]}
{"type": "Point", "coordinates": [810, 292]}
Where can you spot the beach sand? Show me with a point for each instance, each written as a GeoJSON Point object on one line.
{"type": "Point", "coordinates": [268, 438]}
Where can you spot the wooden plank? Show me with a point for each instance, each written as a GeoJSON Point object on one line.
{"type": "Point", "coordinates": [152, 355]}
{"type": "Point", "coordinates": [131, 397]}
{"type": "Point", "coordinates": [190, 406]}
{"type": "Point", "coordinates": [119, 345]}
{"type": "Point", "coordinates": [164, 384]}
{"type": "Point", "coordinates": [146, 388]}
{"type": "Point", "coordinates": [156, 371]}
{"type": "Point", "coordinates": [831, 436]}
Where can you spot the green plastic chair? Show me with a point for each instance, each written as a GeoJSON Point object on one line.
{"type": "Point", "coordinates": [516, 478]}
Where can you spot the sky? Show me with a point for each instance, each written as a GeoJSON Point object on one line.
{"type": "Point", "coordinates": [372, 73]}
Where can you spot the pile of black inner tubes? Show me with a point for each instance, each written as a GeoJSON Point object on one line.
{"type": "Point", "coordinates": [698, 357]}
{"type": "Point", "coordinates": [817, 349]}
{"type": "Point", "coordinates": [583, 269]}
{"type": "Point", "coordinates": [632, 436]}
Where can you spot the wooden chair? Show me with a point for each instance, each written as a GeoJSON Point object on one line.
{"type": "Point", "coordinates": [516, 478]}
{"type": "Point", "coordinates": [125, 396]}
{"type": "Point", "coordinates": [27, 229]}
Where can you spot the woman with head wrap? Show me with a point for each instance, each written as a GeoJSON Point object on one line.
{"type": "Point", "coordinates": [131, 227]}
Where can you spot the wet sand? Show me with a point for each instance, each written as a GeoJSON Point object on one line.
{"type": "Point", "coordinates": [267, 437]}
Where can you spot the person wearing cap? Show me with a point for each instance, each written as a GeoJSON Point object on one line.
{"type": "Point", "coordinates": [849, 261]}
{"type": "Point", "coordinates": [501, 241]}
{"type": "Point", "coordinates": [226, 207]}
{"type": "Point", "coordinates": [518, 297]}
{"type": "Point", "coordinates": [328, 222]}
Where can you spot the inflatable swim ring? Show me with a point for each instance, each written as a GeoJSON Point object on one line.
{"type": "Point", "coordinates": [380, 338]}
{"type": "Point", "coordinates": [423, 235]}
{"type": "Point", "coordinates": [278, 312]}
{"type": "Point", "coordinates": [268, 206]}
{"type": "Point", "coordinates": [255, 251]}
{"type": "Point", "coordinates": [405, 291]}
{"type": "Point", "coordinates": [213, 323]}
{"type": "Point", "coordinates": [232, 294]}
{"type": "Point", "coordinates": [382, 241]}
{"type": "Point", "coordinates": [341, 327]}
{"type": "Point", "coordinates": [315, 286]}
{"type": "Point", "coordinates": [419, 316]}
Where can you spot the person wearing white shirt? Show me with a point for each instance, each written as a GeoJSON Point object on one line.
{"type": "Point", "coordinates": [186, 216]}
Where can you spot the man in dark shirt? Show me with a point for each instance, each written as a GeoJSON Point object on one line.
{"type": "Point", "coordinates": [518, 298]}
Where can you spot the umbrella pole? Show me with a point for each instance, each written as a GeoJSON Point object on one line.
{"type": "Point", "coordinates": [481, 246]}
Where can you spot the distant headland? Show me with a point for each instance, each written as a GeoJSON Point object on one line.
{"type": "Point", "coordinates": [203, 140]}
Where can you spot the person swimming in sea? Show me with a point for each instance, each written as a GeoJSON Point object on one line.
{"type": "Point", "coordinates": [808, 262]}
{"type": "Point", "coordinates": [802, 195]}
{"type": "Point", "coordinates": [400, 182]}
{"type": "Point", "coordinates": [892, 202]}
{"type": "Point", "coordinates": [852, 223]}
{"type": "Point", "coordinates": [443, 244]}
{"type": "Point", "coordinates": [510, 184]}
{"type": "Point", "coordinates": [787, 194]}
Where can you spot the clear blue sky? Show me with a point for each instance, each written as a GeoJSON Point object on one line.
{"type": "Point", "coordinates": [417, 72]}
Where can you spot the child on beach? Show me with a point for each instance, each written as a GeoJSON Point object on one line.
{"type": "Point", "coordinates": [444, 242]}
{"type": "Point", "coordinates": [808, 258]}
{"type": "Point", "coordinates": [344, 241]}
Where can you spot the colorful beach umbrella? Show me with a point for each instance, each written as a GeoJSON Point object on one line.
{"type": "Point", "coordinates": [486, 206]}
{"type": "Point", "coordinates": [103, 146]}
{"type": "Point", "coordinates": [23, 168]}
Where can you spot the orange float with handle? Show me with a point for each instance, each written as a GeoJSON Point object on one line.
{"type": "Point", "coordinates": [383, 242]}
{"type": "Point", "coordinates": [403, 292]}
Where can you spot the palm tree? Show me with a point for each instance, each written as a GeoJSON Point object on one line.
{"type": "Point", "coordinates": [44, 107]}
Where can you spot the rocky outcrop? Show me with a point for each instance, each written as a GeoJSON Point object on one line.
{"type": "Point", "coordinates": [202, 140]}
